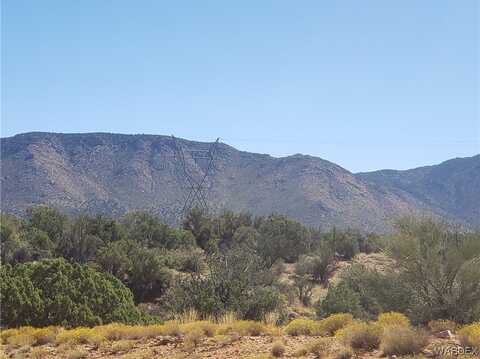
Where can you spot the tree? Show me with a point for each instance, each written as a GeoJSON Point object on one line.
{"type": "Point", "coordinates": [48, 220]}
{"type": "Point", "coordinates": [199, 225]}
{"type": "Point", "coordinates": [344, 243]}
{"type": "Point", "coordinates": [55, 292]}
{"type": "Point", "coordinates": [283, 238]}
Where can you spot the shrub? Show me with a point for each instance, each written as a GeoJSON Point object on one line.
{"type": "Point", "coordinates": [470, 335]}
{"type": "Point", "coordinates": [80, 336]}
{"type": "Point", "coordinates": [278, 349]}
{"type": "Point", "coordinates": [123, 346]}
{"type": "Point", "coordinates": [6, 333]}
{"type": "Point", "coordinates": [393, 318]}
{"type": "Point", "coordinates": [193, 338]}
{"type": "Point", "coordinates": [76, 354]}
{"type": "Point", "coordinates": [171, 328]}
{"type": "Point", "coordinates": [300, 327]}
{"type": "Point", "coordinates": [45, 335]}
{"type": "Point", "coordinates": [249, 328]}
{"type": "Point", "coordinates": [340, 298]}
{"type": "Point", "coordinates": [360, 335]}
{"type": "Point", "coordinates": [331, 324]}
{"type": "Point", "coordinates": [38, 353]}
{"type": "Point", "coordinates": [300, 352]}
{"type": "Point", "coordinates": [207, 328]}
{"type": "Point", "coordinates": [20, 340]}
{"type": "Point", "coordinates": [402, 340]}
{"type": "Point", "coordinates": [440, 325]}
{"type": "Point", "coordinates": [343, 353]}
{"type": "Point", "coordinates": [320, 347]}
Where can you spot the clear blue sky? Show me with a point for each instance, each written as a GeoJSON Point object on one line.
{"type": "Point", "coordinates": [366, 84]}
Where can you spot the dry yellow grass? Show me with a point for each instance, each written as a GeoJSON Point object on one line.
{"type": "Point", "coordinates": [393, 318]}
{"type": "Point", "coordinates": [360, 335]}
{"type": "Point", "coordinates": [402, 340]}
{"type": "Point", "coordinates": [470, 335]}
{"type": "Point", "coordinates": [80, 335]}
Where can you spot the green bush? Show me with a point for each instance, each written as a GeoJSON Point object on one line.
{"type": "Point", "coordinates": [55, 292]}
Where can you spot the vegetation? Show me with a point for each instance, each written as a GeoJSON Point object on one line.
{"type": "Point", "coordinates": [84, 271]}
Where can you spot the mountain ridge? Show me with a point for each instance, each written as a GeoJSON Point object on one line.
{"type": "Point", "coordinates": [115, 173]}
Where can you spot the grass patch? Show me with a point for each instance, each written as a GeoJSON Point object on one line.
{"type": "Point", "coordinates": [437, 326]}
{"type": "Point", "coordinates": [393, 318]}
{"type": "Point", "coordinates": [300, 327]}
{"type": "Point", "coordinates": [331, 324]}
{"type": "Point", "coordinates": [193, 338]}
{"type": "Point", "coordinates": [39, 353]}
{"type": "Point", "coordinates": [243, 328]}
{"type": "Point", "coordinates": [402, 340]}
{"type": "Point", "coordinates": [360, 335]}
{"type": "Point", "coordinates": [470, 335]}
{"type": "Point", "coordinates": [123, 346]}
{"type": "Point", "coordinates": [81, 335]}
{"type": "Point", "coordinates": [207, 328]}
{"type": "Point", "coordinates": [76, 354]}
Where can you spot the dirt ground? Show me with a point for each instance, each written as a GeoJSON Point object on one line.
{"type": "Point", "coordinates": [174, 348]}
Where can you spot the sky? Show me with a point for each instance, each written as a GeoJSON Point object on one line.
{"type": "Point", "coordinates": [366, 84]}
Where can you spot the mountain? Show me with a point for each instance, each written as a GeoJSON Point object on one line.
{"type": "Point", "coordinates": [114, 173]}
{"type": "Point", "coordinates": [450, 189]}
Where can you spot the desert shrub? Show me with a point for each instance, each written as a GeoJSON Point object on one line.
{"type": "Point", "coordinates": [334, 322]}
{"type": "Point", "coordinates": [193, 338]}
{"type": "Point", "coordinates": [55, 292]}
{"type": "Point", "coordinates": [6, 333]}
{"type": "Point", "coordinates": [440, 325]}
{"type": "Point", "coordinates": [234, 282]}
{"type": "Point", "coordinates": [278, 349]}
{"type": "Point", "coordinates": [360, 335]}
{"type": "Point", "coordinates": [343, 353]}
{"type": "Point", "coordinates": [300, 327]}
{"type": "Point", "coordinates": [402, 340]}
{"type": "Point", "coordinates": [171, 328]}
{"type": "Point", "coordinates": [366, 293]}
{"type": "Point", "coordinates": [77, 353]}
{"type": "Point", "coordinates": [20, 340]}
{"type": "Point", "coordinates": [246, 328]}
{"type": "Point", "coordinates": [393, 318]}
{"type": "Point", "coordinates": [319, 347]}
{"type": "Point", "coordinates": [123, 345]}
{"type": "Point", "coordinates": [470, 335]}
{"type": "Point", "coordinates": [38, 353]}
{"type": "Point", "coordinates": [440, 267]}
{"type": "Point", "coordinates": [207, 328]}
{"type": "Point", "coordinates": [340, 298]}
{"type": "Point", "coordinates": [80, 336]}
{"type": "Point", "coordinates": [344, 243]}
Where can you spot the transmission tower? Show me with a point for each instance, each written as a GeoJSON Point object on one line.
{"type": "Point", "coordinates": [194, 177]}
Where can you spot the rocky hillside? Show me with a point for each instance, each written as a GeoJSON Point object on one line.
{"type": "Point", "coordinates": [114, 174]}
{"type": "Point", "coordinates": [451, 189]}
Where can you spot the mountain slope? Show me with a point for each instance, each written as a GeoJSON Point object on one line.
{"type": "Point", "coordinates": [451, 188]}
{"type": "Point", "coordinates": [114, 174]}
